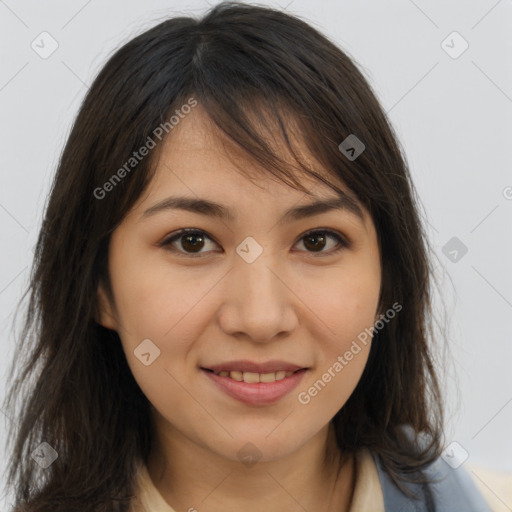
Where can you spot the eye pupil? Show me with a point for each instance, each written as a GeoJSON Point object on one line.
{"type": "Point", "coordinates": [316, 237]}
{"type": "Point", "coordinates": [195, 245]}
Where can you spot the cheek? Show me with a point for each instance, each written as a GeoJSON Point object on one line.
{"type": "Point", "coordinates": [152, 297]}
{"type": "Point", "coordinates": [342, 354]}
{"type": "Point", "coordinates": [346, 304]}
{"type": "Point", "coordinates": [167, 307]}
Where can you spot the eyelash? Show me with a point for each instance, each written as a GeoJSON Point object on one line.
{"type": "Point", "coordinates": [343, 243]}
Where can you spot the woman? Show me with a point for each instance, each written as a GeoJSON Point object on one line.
{"type": "Point", "coordinates": [230, 304]}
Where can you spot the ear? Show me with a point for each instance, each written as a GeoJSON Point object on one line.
{"type": "Point", "coordinates": [106, 310]}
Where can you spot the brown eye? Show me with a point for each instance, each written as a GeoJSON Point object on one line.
{"type": "Point", "coordinates": [192, 242]}
{"type": "Point", "coordinates": [316, 241]}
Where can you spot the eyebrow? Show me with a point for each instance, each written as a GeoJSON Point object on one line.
{"type": "Point", "coordinates": [212, 209]}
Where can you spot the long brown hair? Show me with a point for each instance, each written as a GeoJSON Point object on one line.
{"type": "Point", "coordinates": [242, 63]}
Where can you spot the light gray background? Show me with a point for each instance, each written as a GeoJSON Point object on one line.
{"type": "Point", "coordinates": [452, 115]}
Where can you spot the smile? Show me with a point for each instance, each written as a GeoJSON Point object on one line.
{"type": "Point", "coordinates": [255, 388]}
{"type": "Point", "coordinates": [253, 378]}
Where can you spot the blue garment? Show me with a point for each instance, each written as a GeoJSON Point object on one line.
{"type": "Point", "coordinates": [454, 491]}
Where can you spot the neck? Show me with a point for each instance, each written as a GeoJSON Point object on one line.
{"type": "Point", "coordinates": [315, 477]}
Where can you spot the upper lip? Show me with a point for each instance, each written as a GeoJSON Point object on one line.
{"type": "Point", "coordinates": [252, 366]}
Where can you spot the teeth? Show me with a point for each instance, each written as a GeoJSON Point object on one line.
{"type": "Point", "coordinates": [239, 376]}
{"type": "Point", "coordinates": [253, 378]}
{"type": "Point", "coordinates": [267, 377]}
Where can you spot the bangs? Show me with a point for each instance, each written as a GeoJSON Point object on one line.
{"type": "Point", "coordinates": [263, 112]}
{"type": "Point", "coordinates": [271, 133]}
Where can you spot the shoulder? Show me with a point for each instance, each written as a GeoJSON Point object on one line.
{"type": "Point", "coordinates": [449, 490]}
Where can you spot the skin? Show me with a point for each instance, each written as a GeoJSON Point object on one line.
{"type": "Point", "coordinates": [289, 304]}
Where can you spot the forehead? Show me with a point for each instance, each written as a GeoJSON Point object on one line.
{"type": "Point", "coordinates": [197, 139]}
{"type": "Point", "coordinates": [199, 161]}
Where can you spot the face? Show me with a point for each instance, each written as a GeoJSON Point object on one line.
{"type": "Point", "coordinates": [271, 303]}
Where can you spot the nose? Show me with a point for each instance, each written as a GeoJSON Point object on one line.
{"type": "Point", "coordinates": [258, 302]}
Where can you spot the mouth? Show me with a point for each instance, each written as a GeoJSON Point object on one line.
{"type": "Point", "coordinates": [253, 383]}
{"type": "Point", "coordinates": [254, 377]}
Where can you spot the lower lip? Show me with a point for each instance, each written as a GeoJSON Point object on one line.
{"type": "Point", "coordinates": [259, 393]}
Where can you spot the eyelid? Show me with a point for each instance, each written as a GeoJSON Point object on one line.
{"type": "Point", "coordinates": [343, 241]}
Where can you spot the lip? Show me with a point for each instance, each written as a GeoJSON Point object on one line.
{"type": "Point", "coordinates": [260, 393]}
{"type": "Point", "coordinates": [251, 366]}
